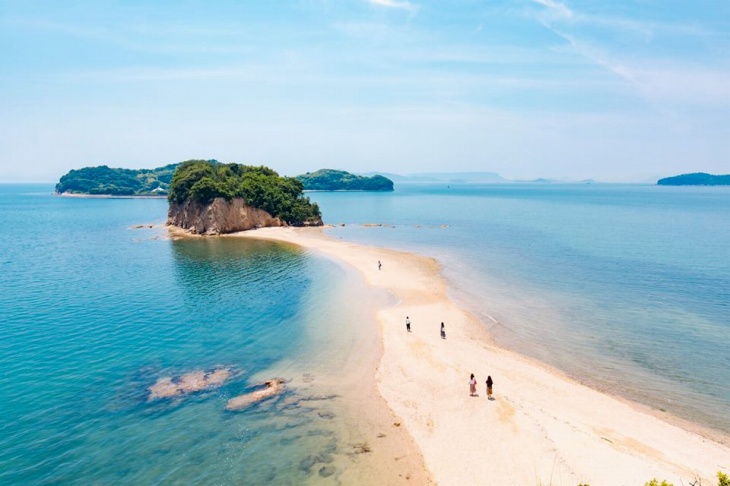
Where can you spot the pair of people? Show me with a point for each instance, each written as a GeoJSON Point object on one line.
{"type": "Point", "coordinates": [473, 386]}
{"type": "Point", "coordinates": [443, 329]}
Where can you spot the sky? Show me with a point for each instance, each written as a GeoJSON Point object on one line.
{"type": "Point", "coordinates": [609, 90]}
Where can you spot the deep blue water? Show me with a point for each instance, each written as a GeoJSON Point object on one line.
{"type": "Point", "coordinates": [625, 287]}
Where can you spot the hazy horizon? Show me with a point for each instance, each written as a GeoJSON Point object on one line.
{"type": "Point", "coordinates": [486, 177]}
{"type": "Point", "coordinates": [523, 88]}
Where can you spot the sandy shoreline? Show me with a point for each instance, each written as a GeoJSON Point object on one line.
{"type": "Point", "coordinates": [542, 428]}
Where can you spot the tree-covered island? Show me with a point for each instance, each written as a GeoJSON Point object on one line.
{"type": "Point", "coordinates": [107, 181]}
{"type": "Point", "coordinates": [339, 180]}
{"type": "Point", "coordinates": [696, 179]}
{"type": "Point", "coordinates": [202, 182]}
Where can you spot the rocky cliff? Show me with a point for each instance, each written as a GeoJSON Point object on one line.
{"type": "Point", "coordinates": [218, 217]}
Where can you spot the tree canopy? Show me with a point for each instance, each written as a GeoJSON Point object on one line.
{"type": "Point", "coordinates": [261, 187]}
{"type": "Point", "coordinates": [339, 180]}
{"type": "Point", "coordinates": [103, 180]}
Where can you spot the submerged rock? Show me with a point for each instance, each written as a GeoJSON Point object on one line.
{"type": "Point", "coordinates": [218, 376]}
{"type": "Point", "coordinates": [164, 388]}
{"type": "Point", "coordinates": [271, 388]}
{"type": "Point", "coordinates": [192, 382]}
{"type": "Point", "coordinates": [327, 471]}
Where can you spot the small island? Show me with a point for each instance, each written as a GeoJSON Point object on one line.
{"type": "Point", "coordinates": [212, 198]}
{"type": "Point", "coordinates": [339, 180]}
{"type": "Point", "coordinates": [695, 179]}
{"type": "Point", "coordinates": [107, 181]}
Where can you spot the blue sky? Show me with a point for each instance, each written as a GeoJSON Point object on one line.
{"type": "Point", "coordinates": [611, 90]}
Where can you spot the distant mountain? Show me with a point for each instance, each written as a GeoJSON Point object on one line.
{"type": "Point", "coordinates": [446, 177]}
{"type": "Point", "coordinates": [339, 180]}
{"type": "Point", "coordinates": [695, 179]}
{"type": "Point", "coordinates": [543, 180]}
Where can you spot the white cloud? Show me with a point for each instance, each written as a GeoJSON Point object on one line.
{"type": "Point", "coordinates": [667, 85]}
{"type": "Point", "coordinates": [560, 9]}
{"type": "Point", "coordinates": [403, 5]}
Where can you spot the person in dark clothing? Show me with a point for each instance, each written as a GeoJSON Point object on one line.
{"type": "Point", "coordinates": [408, 324]}
{"type": "Point", "coordinates": [443, 331]}
{"type": "Point", "coordinates": [489, 387]}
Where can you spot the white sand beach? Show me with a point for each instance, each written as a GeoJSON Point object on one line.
{"type": "Point", "coordinates": [542, 428]}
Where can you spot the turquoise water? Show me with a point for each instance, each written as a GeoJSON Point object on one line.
{"type": "Point", "coordinates": [626, 288]}
{"type": "Point", "coordinates": [94, 311]}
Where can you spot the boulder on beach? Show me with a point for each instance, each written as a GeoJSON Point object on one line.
{"type": "Point", "coordinates": [271, 388]}
{"type": "Point", "coordinates": [167, 387]}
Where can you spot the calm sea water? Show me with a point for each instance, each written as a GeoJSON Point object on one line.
{"type": "Point", "coordinates": [625, 287]}
{"type": "Point", "coordinates": [93, 312]}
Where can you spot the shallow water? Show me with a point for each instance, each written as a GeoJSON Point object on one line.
{"type": "Point", "coordinates": [94, 312]}
{"type": "Point", "coordinates": [623, 287]}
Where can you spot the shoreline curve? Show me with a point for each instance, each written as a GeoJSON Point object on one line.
{"type": "Point", "coordinates": [542, 427]}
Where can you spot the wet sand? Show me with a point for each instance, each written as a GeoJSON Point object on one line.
{"type": "Point", "coordinates": [541, 427]}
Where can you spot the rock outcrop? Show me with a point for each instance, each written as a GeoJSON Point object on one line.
{"type": "Point", "coordinates": [219, 217]}
{"type": "Point", "coordinates": [271, 388]}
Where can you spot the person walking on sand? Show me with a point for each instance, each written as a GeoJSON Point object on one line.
{"type": "Point", "coordinates": [408, 324]}
{"type": "Point", "coordinates": [379, 264]}
{"type": "Point", "coordinates": [489, 387]}
{"type": "Point", "coordinates": [472, 386]}
{"type": "Point", "coordinates": [443, 331]}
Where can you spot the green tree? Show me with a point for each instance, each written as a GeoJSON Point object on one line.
{"type": "Point", "coordinates": [109, 181]}
{"type": "Point", "coordinates": [339, 180]}
{"type": "Point", "coordinates": [260, 187]}
{"type": "Point", "coordinates": [186, 175]}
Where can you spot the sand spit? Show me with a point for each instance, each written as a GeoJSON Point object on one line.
{"type": "Point", "coordinates": [542, 427]}
{"type": "Point", "coordinates": [271, 388]}
{"type": "Point", "coordinates": [195, 381]}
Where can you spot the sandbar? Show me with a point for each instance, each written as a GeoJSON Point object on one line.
{"type": "Point", "coordinates": [541, 428]}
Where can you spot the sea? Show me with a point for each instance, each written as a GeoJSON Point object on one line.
{"type": "Point", "coordinates": [623, 287]}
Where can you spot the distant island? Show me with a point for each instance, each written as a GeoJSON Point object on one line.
{"type": "Point", "coordinates": [106, 181]}
{"type": "Point", "coordinates": [695, 179]}
{"type": "Point", "coordinates": [208, 197]}
{"type": "Point", "coordinates": [339, 180]}
{"type": "Point", "coordinates": [103, 180]}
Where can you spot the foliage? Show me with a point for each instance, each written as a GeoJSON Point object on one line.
{"type": "Point", "coordinates": [103, 180]}
{"type": "Point", "coordinates": [186, 175]}
{"type": "Point", "coordinates": [695, 179]}
{"type": "Point", "coordinates": [339, 180]}
{"type": "Point", "coordinates": [723, 479]}
{"type": "Point", "coordinates": [261, 187]}
{"type": "Point", "coordinates": [654, 482]}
